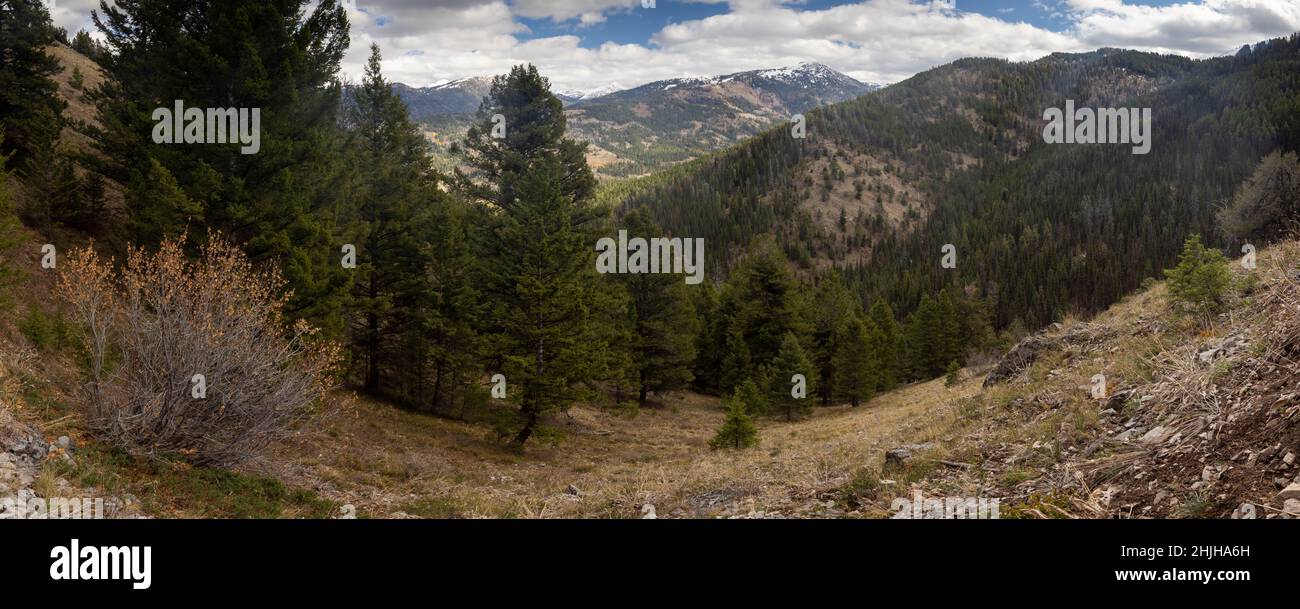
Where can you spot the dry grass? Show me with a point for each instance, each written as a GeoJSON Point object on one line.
{"type": "Point", "coordinates": [386, 460]}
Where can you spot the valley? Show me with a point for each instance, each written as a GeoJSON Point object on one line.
{"type": "Point", "coordinates": [379, 301]}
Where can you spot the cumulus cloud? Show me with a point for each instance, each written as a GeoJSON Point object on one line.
{"type": "Point", "coordinates": [430, 41]}
{"type": "Point", "coordinates": [1199, 29]}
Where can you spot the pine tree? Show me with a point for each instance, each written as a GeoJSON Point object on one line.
{"type": "Point", "coordinates": [394, 164]}
{"type": "Point", "coordinates": [765, 303]}
{"type": "Point", "coordinates": [52, 178]}
{"type": "Point", "coordinates": [856, 374]}
{"type": "Point", "coordinates": [831, 307]}
{"type": "Point", "coordinates": [886, 344]}
{"type": "Point", "coordinates": [545, 268]}
{"type": "Point", "coordinates": [738, 430]}
{"type": "Point", "coordinates": [533, 123]}
{"type": "Point", "coordinates": [438, 312]}
{"type": "Point", "coordinates": [83, 43]}
{"type": "Point", "coordinates": [158, 207]}
{"type": "Point", "coordinates": [921, 336]}
{"type": "Point", "coordinates": [664, 325]}
{"type": "Point", "coordinates": [710, 339]}
{"type": "Point", "coordinates": [30, 109]}
{"type": "Point", "coordinates": [951, 342]}
{"type": "Point", "coordinates": [736, 364]}
{"type": "Point", "coordinates": [789, 361]}
{"type": "Point", "coordinates": [539, 260]}
{"type": "Point", "coordinates": [751, 396]}
{"type": "Point", "coordinates": [953, 375]}
{"type": "Point", "coordinates": [1199, 283]}
{"type": "Point", "coordinates": [283, 204]}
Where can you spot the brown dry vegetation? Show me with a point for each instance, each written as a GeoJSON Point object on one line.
{"type": "Point", "coordinates": [388, 462]}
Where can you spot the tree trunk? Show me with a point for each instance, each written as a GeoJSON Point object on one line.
{"type": "Point", "coordinates": [527, 431]}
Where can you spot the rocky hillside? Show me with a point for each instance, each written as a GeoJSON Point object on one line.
{"type": "Point", "coordinates": [1189, 422]}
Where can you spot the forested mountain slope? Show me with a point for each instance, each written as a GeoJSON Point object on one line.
{"type": "Point", "coordinates": [956, 155]}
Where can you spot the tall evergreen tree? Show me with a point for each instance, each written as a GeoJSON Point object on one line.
{"type": "Point", "coordinates": [394, 164]}
{"type": "Point", "coordinates": [832, 308]}
{"type": "Point", "coordinates": [737, 365]}
{"type": "Point", "coordinates": [30, 109]}
{"type": "Point", "coordinates": [158, 205]}
{"type": "Point", "coordinates": [664, 324]}
{"type": "Point", "coordinates": [519, 122]}
{"type": "Point", "coordinates": [790, 360]}
{"type": "Point", "coordinates": [951, 343]}
{"type": "Point", "coordinates": [539, 259]}
{"type": "Point", "coordinates": [886, 344]}
{"type": "Point", "coordinates": [765, 305]}
{"type": "Point", "coordinates": [438, 311]}
{"type": "Point", "coordinates": [856, 370]}
{"type": "Point", "coordinates": [710, 339]}
{"type": "Point", "coordinates": [285, 202]}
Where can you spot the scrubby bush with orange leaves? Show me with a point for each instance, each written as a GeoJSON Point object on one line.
{"type": "Point", "coordinates": [192, 356]}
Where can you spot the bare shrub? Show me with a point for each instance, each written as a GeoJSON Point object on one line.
{"type": "Point", "coordinates": [166, 318]}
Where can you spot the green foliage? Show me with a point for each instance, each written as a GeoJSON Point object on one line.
{"type": "Point", "coordinates": [749, 395]}
{"type": "Point", "coordinates": [30, 109]}
{"type": "Point", "coordinates": [737, 364]}
{"type": "Point", "coordinates": [158, 206]}
{"type": "Point", "coordinates": [45, 331]}
{"type": "Point", "coordinates": [738, 430]}
{"type": "Point", "coordinates": [1031, 256]}
{"type": "Point", "coordinates": [953, 375]}
{"type": "Point", "coordinates": [790, 360]}
{"type": "Point", "coordinates": [932, 337]}
{"type": "Point", "coordinates": [663, 321]}
{"type": "Point", "coordinates": [10, 234]}
{"type": "Point", "coordinates": [413, 305]}
{"type": "Point", "coordinates": [857, 367]}
{"type": "Point", "coordinates": [540, 271]}
{"type": "Point", "coordinates": [1199, 283]}
{"type": "Point", "coordinates": [284, 204]}
{"type": "Point", "coordinates": [169, 488]}
{"type": "Point", "coordinates": [83, 43]}
{"type": "Point", "coordinates": [886, 343]}
{"type": "Point", "coordinates": [832, 309]}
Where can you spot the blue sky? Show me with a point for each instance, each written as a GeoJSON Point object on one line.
{"type": "Point", "coordinates": [583, 45]}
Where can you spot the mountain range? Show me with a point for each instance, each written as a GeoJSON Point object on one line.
{"type": "Point", "coordinates": [639, 130]}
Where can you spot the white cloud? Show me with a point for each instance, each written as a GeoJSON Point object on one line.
{"type": "Point", "coordinates": [428, 41]}
{"type": "Point", "coordinates": [1199, 29]}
